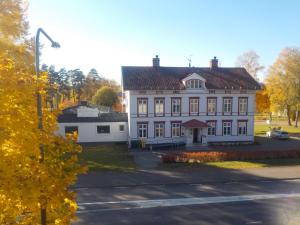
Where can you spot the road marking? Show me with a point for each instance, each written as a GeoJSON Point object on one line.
{"type": "Point", "coordinates": [144, 204]}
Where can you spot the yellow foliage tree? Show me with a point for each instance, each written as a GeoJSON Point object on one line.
{"type": "Point", "coordinates": [262, 101]}
{"type": "Point", "coordinates": [26, 184]}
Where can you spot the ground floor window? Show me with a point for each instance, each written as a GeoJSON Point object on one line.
{"type": "Point", "coordinates": [242, 127]}
{"type": "Point", "coordinates": [71, 129]}
{"type": "Point", "coordinates": [211, 130]}
{"type": "Point", "coordinates": [103, 129]}
{"type": "Point", "coordinates": [142, 129]}
{"type": "Point", "coordinates": [175, 129]}
{"type": "Point", "coordinates": [122, 128]}
{"type": "Point", "coordinates": [226, 128]}
{"type": "Point", "coordinates": [159, 129]}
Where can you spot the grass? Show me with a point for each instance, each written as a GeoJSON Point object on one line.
{"type": "Point", "coordinates": [114, 157]}
{"type": "Point", "coordinates": [261, 129]}
{"type": "Point", "coordinates": [238, 164]}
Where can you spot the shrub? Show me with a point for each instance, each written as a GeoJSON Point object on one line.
{"type": "Point", "coordinates": [215, 156]}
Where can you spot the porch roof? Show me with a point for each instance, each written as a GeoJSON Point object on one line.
{"type": "Point", "coordinates": [194, 124]}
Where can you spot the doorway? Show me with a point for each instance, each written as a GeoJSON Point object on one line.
{"type": "Point", "coordinates": [195, 135]}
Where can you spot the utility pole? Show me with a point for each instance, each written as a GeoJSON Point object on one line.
{"type": "Point", "coordinates": [39, 105]}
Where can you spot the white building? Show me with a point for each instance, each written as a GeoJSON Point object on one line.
{"type": "Point", "coordinates": [94, 124]}
{"type": "Point", "coordinates": [189, 105]}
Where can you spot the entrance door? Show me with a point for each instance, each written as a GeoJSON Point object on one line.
{"type": "Point", "coordinates": [195, 135]}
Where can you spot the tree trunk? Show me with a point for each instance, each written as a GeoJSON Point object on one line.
{"type": "Point", "coordinates": [296, 119]}
{"type": "Point", "coordinates": [288, 115]}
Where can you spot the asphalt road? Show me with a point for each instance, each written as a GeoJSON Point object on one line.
{"type": "Point", "coordinates": [244, 202]}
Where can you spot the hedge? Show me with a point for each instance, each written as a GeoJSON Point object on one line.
{"type": "Point", "coordinates": [216, 156]}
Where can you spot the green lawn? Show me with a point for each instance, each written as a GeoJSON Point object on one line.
{"type": "Point", "coordinates": [238, 164]}
{"type": "Point", "coordinates": [114, 157]}
{"type": "Point", "coordinates": [261, 129]}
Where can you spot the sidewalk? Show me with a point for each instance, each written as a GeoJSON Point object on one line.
{"type": "Point", "coordinates": [184, 176]}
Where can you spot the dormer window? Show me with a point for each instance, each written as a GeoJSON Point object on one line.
{"type": "Point", "coordinates": [194, 84]}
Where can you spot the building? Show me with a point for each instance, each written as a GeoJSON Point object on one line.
{"type": "Point", "coordinates": [93, 124]}
{"type": "Point", "coordinates": [188, 105]}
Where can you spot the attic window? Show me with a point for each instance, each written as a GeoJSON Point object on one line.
{"type": "Point", "coordinates": [194, 84]}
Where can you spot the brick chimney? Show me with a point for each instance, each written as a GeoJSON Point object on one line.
{"type": "Point", "coordinates": [214, 63]}
{"type": "Point", "coordinates": [155, 61]}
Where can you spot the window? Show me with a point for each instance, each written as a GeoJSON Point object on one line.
{"type": "Point", "coordinates": [176, 106]}
{"type": "Point", "coordinates": [194, 105]}
{"type": "Point", "coordinates": [242, 127]}
{"type": "Point", "coordinates": [71, 129]}
{"type": "Point", "coordinates": [211, 130]}
{"type": "Point", "coordinates": [176, 129]}
{"type": "Point", "coordinates": [159, 129]}
{"type": "Point", "coordinates": [227, 105]}
{"type": "Point", "coordinates": [159, 105]}
{"type": "Point", "coordinates": [243, 105]}
{"type": "Point", "coordinates": [103, 129]}
{"type": "Point", "coordinates": [211, 106]}
{"type": "Point", "coordinates": [121, 128]}
{"type": "Point", "coordinates": [194, 84]}
{"type": "Point", "coordinates": [226, 128]}
{"type": "Point", "coordinates": [142, 129]}
{"type": "Point", "coordinates": [142, 106]}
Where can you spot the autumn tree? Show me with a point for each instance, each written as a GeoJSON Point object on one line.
{"type": "Point", "coordinates": [250, 61]}
{"type": "Point", "coordinates": [105, 96]}
{"type": "Point", "coordinates": [262, 100]}
{"type": "Point", "coordinates": [27, 185]}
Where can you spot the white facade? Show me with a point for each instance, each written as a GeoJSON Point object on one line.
{"type": "Point", "coordinates": [237, 125]}
{"type": "Point", "coordinates": [87, 132]}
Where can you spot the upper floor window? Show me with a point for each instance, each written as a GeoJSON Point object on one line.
{"type": "Point", "coordinates": [194, 105]}
{"type": "Point", "coordinates": [176, 106]}
{"type": "Point", "coordinates": [194, 84]}
{"type": "Point", "coordinates": [211, 106]}
{"type": "Point", "coordinates": [142, 104]}
{"type": "Point", "coordinates": [159, 105]}
{"type": "Point", "coordinates": [227, 105]}
{"type": "Point", "coordinates": [243, 106]}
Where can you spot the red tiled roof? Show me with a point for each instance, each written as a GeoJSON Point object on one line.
{"type": "Point", "coordinates": [194, 124]}
{"type": "Point", "coordinates": [170, 78]}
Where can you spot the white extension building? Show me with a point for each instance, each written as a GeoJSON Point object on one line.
{"type": "Point", "coordinates": [93, 124]}
{"type": "Point", "coordinates": [189, 105]}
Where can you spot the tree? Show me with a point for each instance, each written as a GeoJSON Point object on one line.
{"type": "Point", "coordinates": [262, 100]}
{"type": "Point", "coordinates": [105, 96]}
{"type": "Point", "coordinates": [283, 82]}
{"type": "Point", "coordinates": [93, 74]}
{"type": "Point", "coordinates": [77, 82]}
{"type": "Point", "coordinates": [250, 61]}
{"type": "Point", "coordinates": [27, 185]}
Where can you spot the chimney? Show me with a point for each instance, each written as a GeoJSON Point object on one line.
{"type": "Point", "coordinates": [155, 61]}
{"type": "Point", "coordinates": [214, 63]}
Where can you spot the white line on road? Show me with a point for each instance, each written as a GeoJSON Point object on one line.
{"type": "Point", "coordinates": [142, 204]}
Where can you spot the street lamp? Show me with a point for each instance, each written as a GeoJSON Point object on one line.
{"type": "Point", "coordinates": [39, 100]}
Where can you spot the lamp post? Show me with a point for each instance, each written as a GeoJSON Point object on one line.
{"type": "Point", "coordinates": [39, 101]}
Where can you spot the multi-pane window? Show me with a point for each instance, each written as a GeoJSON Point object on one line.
{"type": "Point", "coordinates": [211, 130]}
{"type": "Point", "coordinates": [227, 105]}
{"type": "Point", "coordinates": [121, 128]}
{"type": "Point", "coordinates": [175, 129]}
{"type": "Point", "coordinates": [159, 106]}
{"type": "Point", "coordinates": [103, 129]}
{"type": "Point", "coordinates": [142, 129]}
{"type": "Point", "coordinates": [142, 106]}
{"type": "Point", "coordinates": [226, 128]}
{"type": "Point", "coordinates": [242, 127]}
{"type": "Point", "coordinates": [71, 129]}
{"type": "Point", "coordinates": [176, 106]}
{"type": "Point", "coordinates": [211, 106]}
{"type": "Point", "coordinates": [194, 84]}
{"type": "Point", "coordinates": [159, 129]}
{"type": "Point", "coordinates": [194, 105]}
{"type": "Point", "coordinates": [243, 105]}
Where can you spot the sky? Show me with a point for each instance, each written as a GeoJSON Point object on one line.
{"type": "Point", "coordinates": [108, 34]}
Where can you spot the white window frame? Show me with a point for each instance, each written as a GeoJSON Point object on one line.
{"type": "Point", "coordinates": [211, 104]}
{"type": "Point", "coordinates": [194, 84]}
{"type": "Point", "coordinates": [194, 105]}
{"type": "Point", "coordinates": [227, 128]}
{"type": "Point", "coordinates": [176, 104]}
{"type": "Point", "coordinates": [159, 129]}
{"type": "Point", "coordinates": [142, 107]}
{"type": "Point", "coordinates": [243, 106]}
{"type": "Point", "coordinates": [227, 105]}
{"type": "Point", "coordinates": [143, 127]}
{"type": "Point", "coordinates": [159, 104]}
{"type": "Point", "coordinates": [176, 129]}
{"type": "Point", "coordinates": [211, 130]}
{"type": "Point", "coordinates": [242, 130]}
